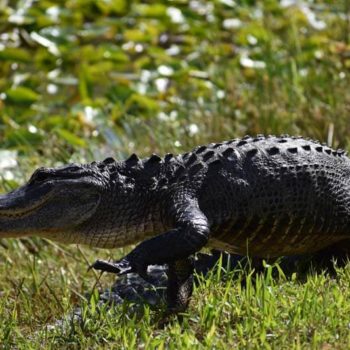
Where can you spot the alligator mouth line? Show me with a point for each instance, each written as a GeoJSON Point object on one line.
{"type": "Point", "coordinates": [18, 213]}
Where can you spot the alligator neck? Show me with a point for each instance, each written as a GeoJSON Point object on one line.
{"type": "Point", "coordinates": [126, 219]}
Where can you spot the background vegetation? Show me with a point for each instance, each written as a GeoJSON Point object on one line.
{"type": "Point", "coordinates": [85, 79]}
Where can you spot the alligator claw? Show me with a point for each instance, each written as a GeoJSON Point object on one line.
{"type": "Point", "coordinates": [120, 267]}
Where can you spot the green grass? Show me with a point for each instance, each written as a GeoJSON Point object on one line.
{"type": "Point", "coordinates": [40, 291]}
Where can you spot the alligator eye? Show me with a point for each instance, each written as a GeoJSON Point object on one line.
{"type": "Point", "coordinates": [39, 176]}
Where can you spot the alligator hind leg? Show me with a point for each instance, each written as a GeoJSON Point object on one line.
{"type": "Point", "coordinates": [338, 253]}
{"type": "Point", "coordinates": [180, 285]}
{"type": "Point", "coordinates": [112, 267]}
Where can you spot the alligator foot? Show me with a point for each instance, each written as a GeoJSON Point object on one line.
{"type": "Point", "coordinates": [120, 267]}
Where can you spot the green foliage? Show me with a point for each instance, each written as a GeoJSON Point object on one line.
{"type": "Point", "coordinates": [146, 69]}
{"type": "Point", "coordinates": [84, 79]}
{"type": "Point", "coordinates": [21, 96]}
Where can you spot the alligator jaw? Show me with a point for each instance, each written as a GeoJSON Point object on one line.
{"type": "Point", "coordinates": [20, 212]}
{"type": "Point", "coordinates": [50, 209]}
{"type": "Point", "coordinates": [17, 208]}
{"type": "Point", "coordinates": [23, 201]}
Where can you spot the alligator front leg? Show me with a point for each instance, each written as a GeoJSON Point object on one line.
{"type": "Point", "coordinates": [174, 247]}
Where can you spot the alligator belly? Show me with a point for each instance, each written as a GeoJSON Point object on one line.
{"type": "Point", "coordinates": [273, 237]}
{"type": "Point", "coordinates": [269, 251]}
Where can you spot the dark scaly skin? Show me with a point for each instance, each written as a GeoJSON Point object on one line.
{"type": "Point", "coordinates": [262, 196]}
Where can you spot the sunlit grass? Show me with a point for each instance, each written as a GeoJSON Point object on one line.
{"type": "Point", "coordinates": [40, 292]}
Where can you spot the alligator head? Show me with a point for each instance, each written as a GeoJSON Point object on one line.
{"type": "Point", "coordinates": [52, 201]}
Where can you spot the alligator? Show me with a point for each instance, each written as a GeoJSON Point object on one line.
{"type": "Point", "coordinates": [263, 196]}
